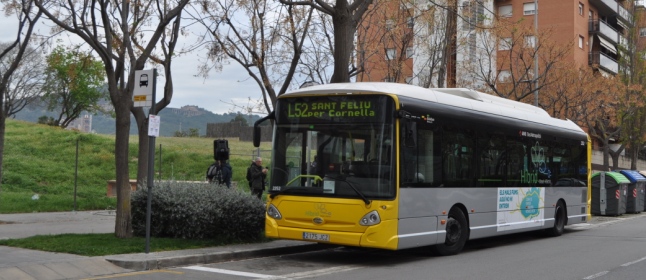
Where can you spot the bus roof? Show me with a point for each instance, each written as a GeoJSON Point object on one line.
{"type": "Point", "coordinates": [457, 97]}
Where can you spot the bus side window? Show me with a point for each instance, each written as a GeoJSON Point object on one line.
{"type": "Point", "coordinates": [516, 161]}
{"type": "Point", "coordinates": [420, 163]}
{"type": "Point", "coordinates": [457, 157]}
{"type": "Point", "coordinates": [492, 160]}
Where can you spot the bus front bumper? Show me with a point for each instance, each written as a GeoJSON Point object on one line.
{"type": "Point", "coordinates": [382, 236]}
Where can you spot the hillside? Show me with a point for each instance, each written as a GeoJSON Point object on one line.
{"type": "Point", "coordinates": [172, 119]}
{"type": "Point", "coordinates": [40, 159]}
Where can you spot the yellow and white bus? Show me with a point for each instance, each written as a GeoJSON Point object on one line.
{"type": "Point", "coordinates": [396, 166]}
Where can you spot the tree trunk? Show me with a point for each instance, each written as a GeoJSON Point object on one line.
{"type": "Point", "coordinates": [3, 127]}
{"type": "Point", "coordinates": [142, 155]}
{"type": "Point", "coordinates": [606, 155]}
{"type": "Point", "coordinates": [344, 30]}
{"type": "Point", "coordinates": [634, 157]}
{"type": "Point", "coordinates": [123, 225]}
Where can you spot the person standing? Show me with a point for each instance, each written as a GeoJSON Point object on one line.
{"type": "Point", "coordinates": [226, 173]}
{"type": "Point", "coordinates": [258, 176]}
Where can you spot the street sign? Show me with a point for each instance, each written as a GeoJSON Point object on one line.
{"type": "Point", "coordinates": [153, 125]}
{"type": "Point", "coordinates": [142, 96]}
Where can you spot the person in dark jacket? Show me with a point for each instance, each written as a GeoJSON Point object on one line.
{"type": "Point", "coordinates": [227, 173]}
{"type": "Point", "coordinates": [258, 176]}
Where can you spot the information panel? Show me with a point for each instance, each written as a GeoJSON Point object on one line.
{"type": "Point", "coordinates": [333, 109]}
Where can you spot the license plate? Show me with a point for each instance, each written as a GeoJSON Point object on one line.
{"type": "Point", "coordinates": [316, 236]}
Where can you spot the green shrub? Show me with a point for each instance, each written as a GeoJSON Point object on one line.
{"type": "Point", "coordinates": [198, 211]}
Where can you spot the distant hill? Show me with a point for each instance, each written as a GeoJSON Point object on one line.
{"type": "Point", "coordinates": [172, 119]}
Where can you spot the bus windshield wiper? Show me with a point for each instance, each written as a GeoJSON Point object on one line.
{"type": "Point", "coordinates": [316, 178]}
{"type": "Point", "coordinates": [343, 179]}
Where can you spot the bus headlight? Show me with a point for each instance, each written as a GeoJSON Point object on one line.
{"type": "Point", "coordinates": [273, 212]}
{"type": "Point", "coordinates": [370, 219]}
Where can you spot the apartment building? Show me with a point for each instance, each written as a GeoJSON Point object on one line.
{"type": "Point", "coordinates": [425, 44]}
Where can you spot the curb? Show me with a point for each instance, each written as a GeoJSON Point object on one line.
{"type": "Point", "coordinates": [161, 260]}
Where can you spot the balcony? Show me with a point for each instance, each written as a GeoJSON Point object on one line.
{"type": "Point", "coordinates": [605, 7]}
{"type": "Point", "coordinates": [599, 27]}
{"type": "Point", "coordinates": [612, 8]}
{"type": "Point", "coordinates": [625, 15]}
{"type": "Point", "coordinates": [623, 42]}
{"type": "Point", "coordinates": [604, 62]}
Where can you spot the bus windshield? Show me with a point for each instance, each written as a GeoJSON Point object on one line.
{"type": "Point", "coordinates": [334, 156]}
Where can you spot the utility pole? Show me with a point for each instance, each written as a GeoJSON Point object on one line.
{"type": "Point", "coordinates": [536, 53]}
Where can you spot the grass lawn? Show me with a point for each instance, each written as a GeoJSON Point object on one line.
{"type": "Point", "coordinates": [107, 244]}
{"type": "Point", "coordinates": [40, 159]}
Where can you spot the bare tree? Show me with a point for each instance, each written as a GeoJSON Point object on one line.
{"type": "Point", "coordinates": [19, 68]}
{"type": "Point", "coordinates": [125, 35]}
{"type": "Point", "coordinates": [264, 37]}
{"type": "Point", "coordinates": [346, 16]}
{"type": "Point", "coordinates": [632, 59]}
{"type": "Point", "coordinates": [385, 42]}
{"type": "Point", "coordinates": [517, 46]}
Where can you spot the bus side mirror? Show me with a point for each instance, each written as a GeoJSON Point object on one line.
{"type": "Point", "coordinates": [256, 136]}
{"type": "Point", "coordinates": [409, 129]}
{"type": "Point", "coordinates": [256, 128]}
{"type": "Point", "coordinates": [410, 134]}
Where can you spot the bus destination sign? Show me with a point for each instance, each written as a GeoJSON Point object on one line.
{"type": "Point", "coordinates": [363, 109]}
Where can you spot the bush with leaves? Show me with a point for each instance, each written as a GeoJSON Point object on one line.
{"type": "Point", "coordinates": [198, 211]}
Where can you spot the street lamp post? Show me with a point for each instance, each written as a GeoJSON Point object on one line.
{"type": "Point", "coordinates": [535, 53]}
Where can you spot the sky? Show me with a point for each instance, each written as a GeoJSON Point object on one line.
{"type": "Point", "coordinates": [216, 93]}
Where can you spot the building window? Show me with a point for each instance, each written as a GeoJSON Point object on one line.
{"type": "Point", "coordinates": [580, 42]}
{"type": "Point", "coordinates": [504, 44]}
{"type": "Point", "coordinates": [390, 24]}
{"type": "Point", "coordinates": [390, 54]}
{"type": "Point", "coordinates": [409, 52]}
{"type": "Point", "coordinates": [410, 21]}
{"type": "Point", "coordinates": [504, 76]}
{"type": "Point", "coordinates": [590, 15]}
{"type": "Point", "coordinates": [581, 9]}
{"type": "Point", "coordinates": [530, 41]}
{"type": "Point", "coordinates": [529, 9]}
{"type": "Point", "coordinates": [642, 32]}
{"type": "Point", "coordinates": [504, 11]}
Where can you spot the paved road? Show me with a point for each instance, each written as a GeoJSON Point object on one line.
{"type": "Point", "coordinates": [29, 224]}
{"type": "Point", "coordinates": [16, 263]}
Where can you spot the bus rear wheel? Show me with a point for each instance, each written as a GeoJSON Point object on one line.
{"type": "Point", "coordinates": [457, 234]}
{"type": "Point", "coordinates": [559, 221]}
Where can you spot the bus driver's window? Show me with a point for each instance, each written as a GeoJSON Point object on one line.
{"type": "Point", "coordinates": [418, 162]}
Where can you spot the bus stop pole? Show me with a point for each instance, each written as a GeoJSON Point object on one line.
{"type": "Point", "coordinates": [151, 166]}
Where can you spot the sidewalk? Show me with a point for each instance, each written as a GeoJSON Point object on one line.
{"type": "Point", "coordinates": [17, 263]}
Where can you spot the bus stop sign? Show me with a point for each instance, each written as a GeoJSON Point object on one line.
{"type": "Point", "coordinates": [142, 95]}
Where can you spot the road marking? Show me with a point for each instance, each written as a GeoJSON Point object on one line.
{"type": "Point", "coordinates": [231, 272]}
{"type": "Point", "coordinates": [634, 262]}
{"type": "Point", "coordinates": [135, 274]}
{"type": "Point", "coordinates": [596, 275]}
{"type": "Point", "coordinates": [297, 275]}
{"type": "Point", "coordinates": [318, 273]}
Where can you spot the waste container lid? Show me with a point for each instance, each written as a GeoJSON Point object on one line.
{"type": "Point", "coordinates": [633, 175]}
{"type": "Point", "coordinates": [618, 177]}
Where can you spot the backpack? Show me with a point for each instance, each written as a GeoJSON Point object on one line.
{"type": "Point", "coordinates": [211, 171]}
{"type": "Point", "coordinates": [249, 174]}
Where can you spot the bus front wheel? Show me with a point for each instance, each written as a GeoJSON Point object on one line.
{"type": "Point", "coordinates": [457, 234]}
